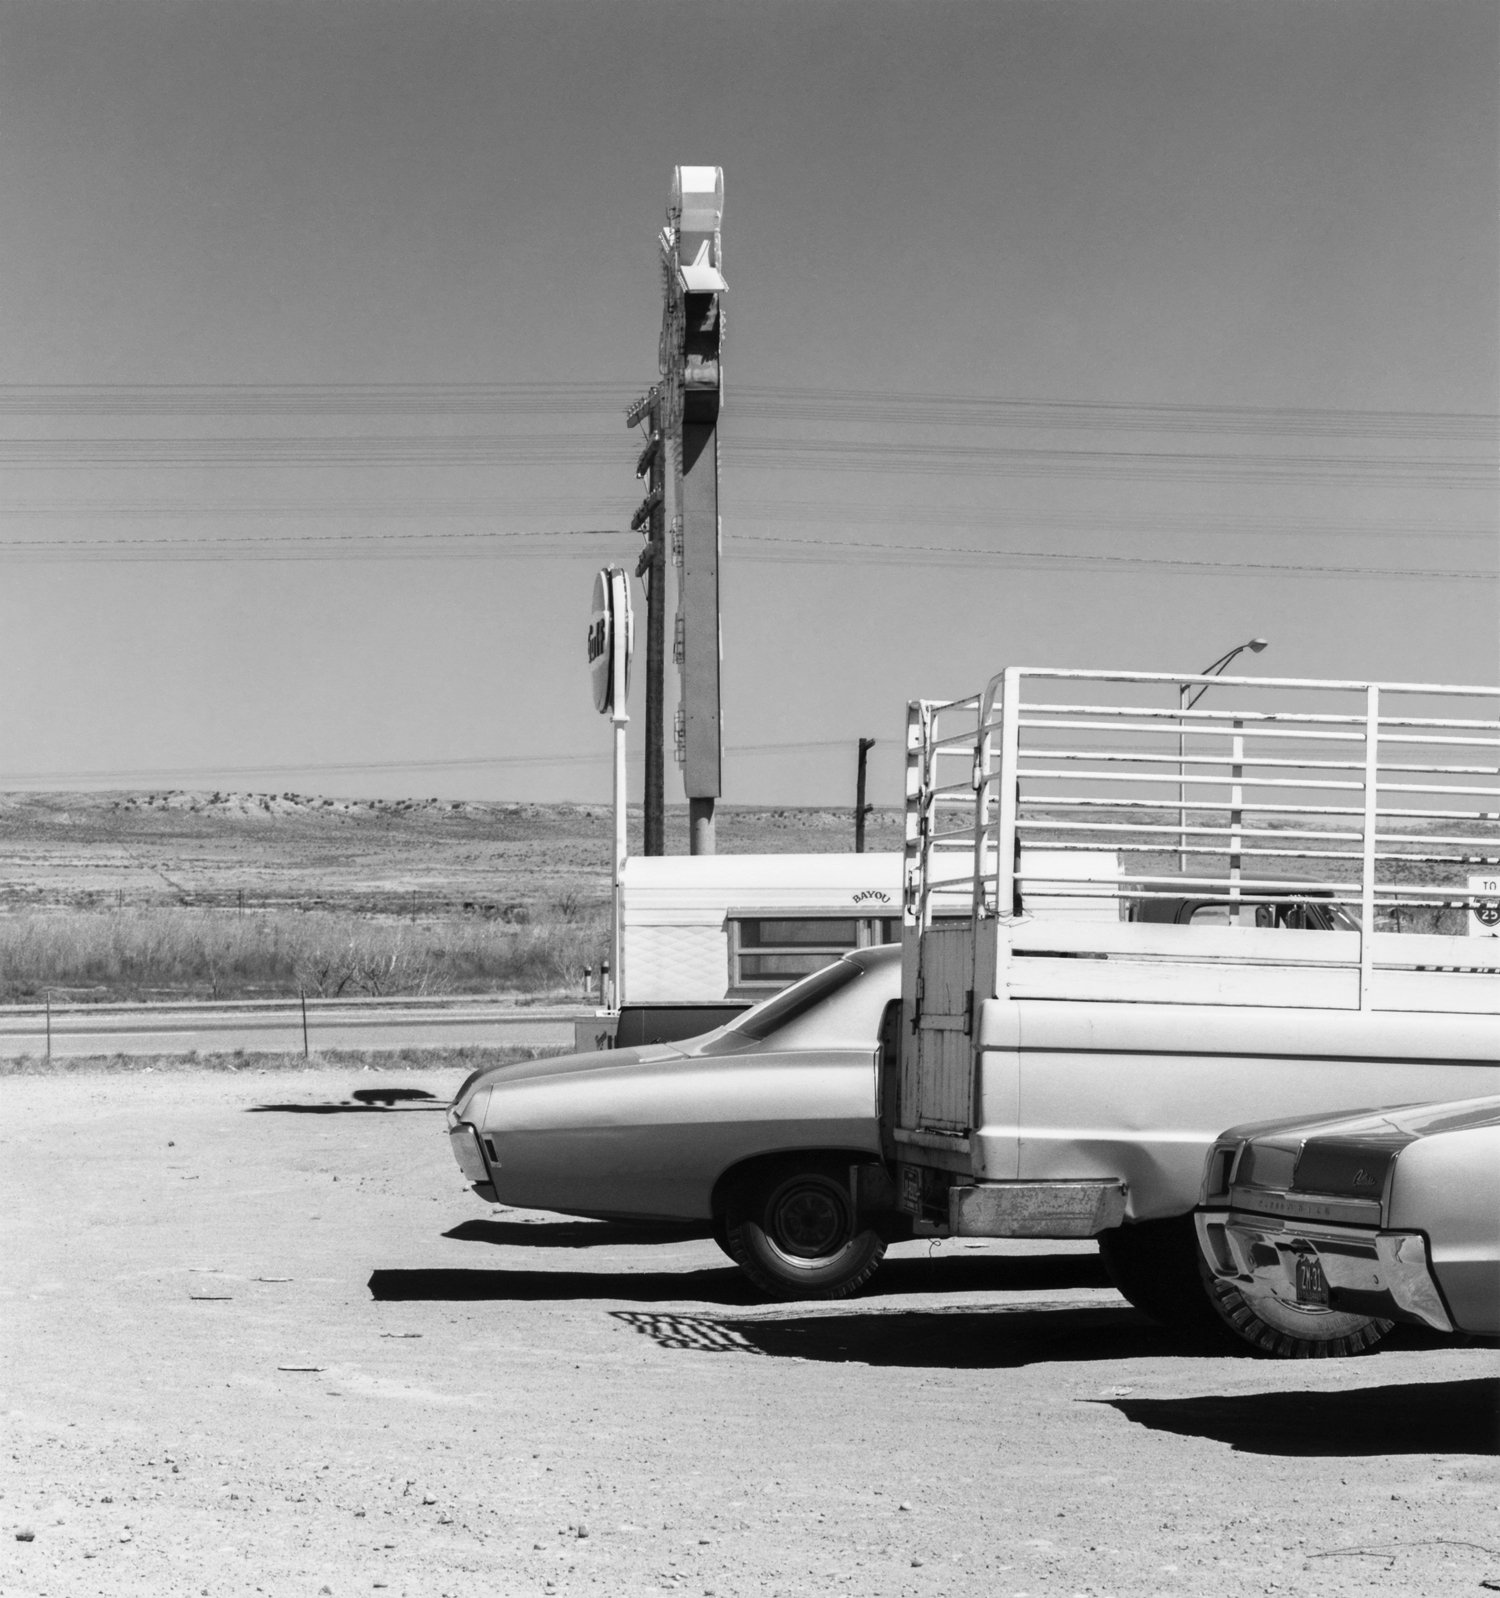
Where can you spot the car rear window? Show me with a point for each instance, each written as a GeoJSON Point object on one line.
{"type": "Point", "coordinates": [795, 1001]}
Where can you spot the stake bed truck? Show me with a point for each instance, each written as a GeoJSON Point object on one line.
{"type": "Point", "coordinates": [1066, 1077]}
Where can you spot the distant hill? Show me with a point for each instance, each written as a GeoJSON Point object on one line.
{"type": "Point", "coordinates": [426, 856]}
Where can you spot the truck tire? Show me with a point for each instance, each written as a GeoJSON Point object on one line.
{"type": "Point", "coordinates": [794, 1232]}
{"type": "Point", "coordinates": [1292, 1333]}
{"type": "Point", "coordinates": [1155, 1265]}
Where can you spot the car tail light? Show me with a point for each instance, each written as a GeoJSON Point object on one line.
{"type": "Point", "coordinates": [1357, 1169]}
{"type": "Point", "coordinates": [1218, 1173]}
{"type": "Point", "coordinates": [466, 1150]}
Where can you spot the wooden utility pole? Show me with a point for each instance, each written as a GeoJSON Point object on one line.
{"type": "Point", "coordinates": [861, 809]}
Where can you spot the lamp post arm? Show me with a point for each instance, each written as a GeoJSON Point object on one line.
{"type": "Point", "coordinates": [1215, 670]}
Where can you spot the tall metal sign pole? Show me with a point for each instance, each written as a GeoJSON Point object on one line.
{"type": "Point", "coordinates": [611, 642]}
{"type": "Point", "coordinates": [691, 349]}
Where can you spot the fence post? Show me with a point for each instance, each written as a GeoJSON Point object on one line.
{"type": "Point", "coordinates": [302, 994]}
{"type": "Point", "coordinates": [47, 995]}
{"type": "Point", "coordinates": [1371, 822]}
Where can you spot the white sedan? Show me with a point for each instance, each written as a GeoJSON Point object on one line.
{"type": "Point", "coordinates": [754, 1128]}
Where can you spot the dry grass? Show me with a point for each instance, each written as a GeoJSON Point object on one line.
{"type": "Point", "coordinates": [184, 953]}
{"type": "Point", "coordinates": [383, 1061]}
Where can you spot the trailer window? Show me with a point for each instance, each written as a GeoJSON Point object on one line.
{"type": "Point", "coordinates": [768, 952]}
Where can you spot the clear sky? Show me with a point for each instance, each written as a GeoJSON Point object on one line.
{"type": "Point", "coordinates": [1063, 332]}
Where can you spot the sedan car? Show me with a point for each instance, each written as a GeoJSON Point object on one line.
{"type": "Point", "coordinates": [1319, 1234]}
{"type": "Point", "coordinates": [755, 1128]}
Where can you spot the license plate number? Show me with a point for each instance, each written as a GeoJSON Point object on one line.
{"type": "Point", "coordinates": [1312, 1285]}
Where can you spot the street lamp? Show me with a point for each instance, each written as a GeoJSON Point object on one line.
{"type": "Point", "coordinates": [1186, 699]}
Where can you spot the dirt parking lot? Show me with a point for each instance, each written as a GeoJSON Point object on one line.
{"type": "Point", "coordinates": [260, 1338]}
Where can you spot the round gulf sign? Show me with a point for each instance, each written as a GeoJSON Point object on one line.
{"type": "Point", "coordinates": [1485, 911]}
{"type": "Point", "coordinates": [611, 640]}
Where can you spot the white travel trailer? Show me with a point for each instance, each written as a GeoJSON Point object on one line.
{"type": "Point", "coordinates": [702, 936]}
{"type": "Point", "coordinates": [708, 927]}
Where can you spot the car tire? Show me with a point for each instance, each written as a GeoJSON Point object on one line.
{"type": "Point", "coordinates": [1292, 1333]}
{"type": "Point", "coordinates": [794, 1232]}
{"type": "Point", "coordinates": [1159, 1267]}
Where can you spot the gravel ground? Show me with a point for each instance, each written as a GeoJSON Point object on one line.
{"type": "Point", "coordinates": [259, 1338]}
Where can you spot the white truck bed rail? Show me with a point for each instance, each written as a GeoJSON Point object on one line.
{"type": "Point", "coordinates": [1376, 803]}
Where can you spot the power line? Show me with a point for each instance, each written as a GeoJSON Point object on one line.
{"type": "Point", "coordinates": [556, 508]}
{"type": "Point", "coordinates": [157, 775]}
{"type": "Point", "coordinates": [907, 458]}
{"type": "Point", "coordinates": [804, 549]}
{"type": "Point", "coordinates": [762, 401]}
{"type": "Point", "coordinates": [910, 551]}
{"type": "Point", "coordinates": [302, 539]}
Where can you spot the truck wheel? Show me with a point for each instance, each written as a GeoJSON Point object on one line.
{"type": "Point", "coordinates": [794, 1232]}
{"type": "Point", "coordinates": [1154, 1264]}
{"type": "Point", "coordinates": [1290, 1332]}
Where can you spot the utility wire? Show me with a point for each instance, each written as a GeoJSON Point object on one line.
{"type": "Point", "coordinates": [804, 549]}
{"type": "Point", "coordinates": [907, 458]}
{"type": "Point", "coordinates": [157, 775]}
{"type": "Point", "coordinates": [609, 397]}
{"type": "Point", "coordinates": [908, 551]}
{"type": "Point", "coordinates": [556, 508]}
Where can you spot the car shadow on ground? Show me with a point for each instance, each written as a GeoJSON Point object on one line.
{"type": "Point", "coordinates": [1460, 1417]}
{"type": "Point", "coordinates": [380, 1099]}
{"type": "Point", "coordinates": [460, 1285]}
{"type": "Point", "coordinates": [936, 1273]}
{"type": "Point", "coordinates": [725, 1285]}
{"type": "Point", "coordinates": [574, 1234]}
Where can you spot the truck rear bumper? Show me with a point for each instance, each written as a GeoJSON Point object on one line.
{"type": "Point", "coordinates": [1035, 1209]}
{"type": "Point", "coordinates": [1363, 1271]}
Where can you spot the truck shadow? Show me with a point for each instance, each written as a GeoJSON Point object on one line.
{"type": "Point", "coordinates": [995, 1337]}
{"type": "Point", "coordinates": [1460, 1417]}
{"type": "Point", "coordinates": [990, 1337]}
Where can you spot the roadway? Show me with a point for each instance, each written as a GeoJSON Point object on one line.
{"type": "Point", "coordinates": [276, 1027]}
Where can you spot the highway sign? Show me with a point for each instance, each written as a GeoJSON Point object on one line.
{"type": "Point", "coordinates": [1484, 914]}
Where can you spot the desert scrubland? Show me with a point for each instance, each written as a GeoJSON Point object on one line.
{"type": "Point", "coordinates": [211, 895]}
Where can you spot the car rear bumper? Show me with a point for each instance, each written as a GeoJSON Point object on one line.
{"type": "Point", "coordinates": [1366, 1272]}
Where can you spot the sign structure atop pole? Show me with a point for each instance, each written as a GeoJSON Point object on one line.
{"type": "Point", "coordinates": [611, 643]}
{"type": "Point", "coordinates": [690, 358]}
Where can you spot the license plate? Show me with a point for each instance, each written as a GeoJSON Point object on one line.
{"type": "Point", "coordinates": [909, 1196]}
{"type": "Point", "coordinates": [1312, 1285]}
